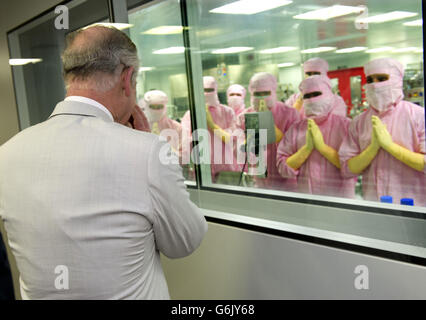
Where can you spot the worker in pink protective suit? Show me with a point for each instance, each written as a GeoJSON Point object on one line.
{"type": "Point", "coordinates": [160, 123]}
{"type": "Point", "coordinates": [262, 89]}
{"type": "Point", "coordinates": [235, 97]}
{"type": "Point", "coordinates": [309, 148]}
{"type": "Point", "coordinates": [386, 143]}
{"type": "Point", "coordinates": [221, 123]}
{"type": "Point", "coordinates": [311, 67]}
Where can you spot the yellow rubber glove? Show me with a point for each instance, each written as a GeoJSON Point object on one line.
{"type": "Point", "coordinates": [298, 103]}
{"type": "Point", "coordinates": [326, 151]}
{"type": "Point", "coordinates": [278, 134]}
{"type": "Point", "coordinates": [262, 106]}
{"type": "Point", "coordinates": [210, 122]}
{"type": "Point", "coordinates": [155, 129]}
{"type": "Point", "coordinates": [383, 136]}
{"type": "Point", "coordinates": [360, 162]}
{"type": "Point", "coordinates": [225, 136]}
{"type": "Point", "coordinates": [299, 158]}
{"type": "Point", "coordinates": [412, 159]}
{"type": "Point", "coordinates": [218, 131]}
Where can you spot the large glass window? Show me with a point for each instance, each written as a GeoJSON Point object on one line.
{"type": "Point", "coordinates": [156, 29]}
{"type": "Point", "coordinates": [320, 138]}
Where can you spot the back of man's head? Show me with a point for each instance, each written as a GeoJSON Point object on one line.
{"type": "Point", "coordinates": [94, 58]}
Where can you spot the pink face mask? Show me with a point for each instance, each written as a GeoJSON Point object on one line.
{"type": "Point", "coordinates": [381, 95]}
{"type": "Point", "coordinates": [317, 106]}
{"type": "Point", "coordinates": [211, 98]}
{"type": "Point", "coordinates": [235, 102]}
{"type": "Point", "coordinates": [156, 115]}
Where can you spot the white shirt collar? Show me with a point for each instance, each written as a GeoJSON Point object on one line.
{"type": "Point", "coordinates": [91, 102]}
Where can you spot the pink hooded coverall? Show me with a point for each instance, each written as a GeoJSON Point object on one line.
{"type": "Point", "coordinates": [225, 118]}
{"type": "Point", "coordinates": [319, 65]}
{"type": "Point", "coordinates": [317, 175]}
{"type": "Point", "coordinates": [405, 122]}
{"type": "Point", "coordinates": [158, 117]}
{"type": "Point", "coordinates": [284, 117]}
{"type": "Point", "coordinates": [236, 102]}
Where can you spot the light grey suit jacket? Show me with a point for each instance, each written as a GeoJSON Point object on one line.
{"type": "Point", "coordinates": [88, 207]}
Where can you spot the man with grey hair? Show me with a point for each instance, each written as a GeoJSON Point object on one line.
{"type": "Point", "coordinates": [87, 204]}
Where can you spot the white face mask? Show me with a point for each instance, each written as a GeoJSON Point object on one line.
{"type": "Point", "coordinates": [156, 115]}
{"type": "Point", "coordinates": [235, 102]}
{"type": "Point", "coordinates": [211, 99]}
{"type": "Point", "coordinates": [317, 107]}
{"type": "Point", "coordinates": [381, 96]}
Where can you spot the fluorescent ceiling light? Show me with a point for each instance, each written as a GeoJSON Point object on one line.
{"type": "Point", "coordinates": [217, 42]}
{"type": "Point", "coordinates": [142, 69]}
{"type": "Point", "coordinates": [170, 50]}
{"type": "Point", "coordinates": [353, 49]}
{"type": "Point", "coordinates": [418, 50]}
{"type": "Point", "coordinates": [119, 26]}
{"type": "Point", "coordinates": [231, 50]}
{"type": "Point", "coordinates": [415, 23]}
{"type": "Point", "coordinates": [21, 62]}
{"type": "Point", "coordinates": [318, 50]}
{"type": "Point", "coordinates": [286, 64]}
{"type": "Point", "coordinates": [404, 50]}
{"type": "Point", "coordinates": [328, 13]}
{"type": "Point", "coordinates": [377, 50]}
{"type": "Point", "coordinates": [250, 6]}
{"type": "Point", "coordinates": [164, 30]}
{"type": "Point", "coordinates": [390, 16]}
{"type": "Point", "coordinates": [278, 50]}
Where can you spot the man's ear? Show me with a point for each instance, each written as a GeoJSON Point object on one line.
{"type": "Point", "coordinates": [126, 78]}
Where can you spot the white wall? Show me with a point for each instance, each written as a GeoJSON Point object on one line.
{"type": "Point", "coordinates": [234, 263]}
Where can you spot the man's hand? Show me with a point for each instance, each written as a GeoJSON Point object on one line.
{"type": "Point", "coordinates": [138, 120]}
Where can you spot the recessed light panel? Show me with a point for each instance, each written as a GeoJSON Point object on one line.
{"type": "Point", "coordinates": [353, 49]}
{"type": "Point", "coordinates": [170, 50]}
{"type": "Point", "coordinates": [390, 16]}
{"type": "Point", "coordinates": [318, 50]}
{"type": "Point", "coordinates": [329, 13]}
{"type": "Point", "coordinates": [21, 62]}
{"type": "Point", "coordinates": [162, 30]}
{"type": "Point", "coordinates": [250, 6]}
{"type": "Point", "coordinates": [232, 50]}
{"type": "Point", "coordinates": [277, 50]}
